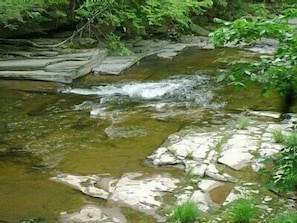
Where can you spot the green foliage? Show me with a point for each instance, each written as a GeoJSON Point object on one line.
{"type": "Point", "coordinates": [285, 217]}
{"type": "Point", "coordinates": [277, 72]}
{"type": "Point", "coordinates": [115, 46]}
{"type": "Point", "coordinates": [218, 145]}
{"type": "Point", "coordinates": [136, 17]}
{"type": "Point", "coordinates": [233, 9]}
{"type": "Point", "coordinates": [243, 122]}
{"type": "Point", "coordinates": [185, 213]}
{"type": "Point", "coordinates": [139, 13]}
{"type": "Point", "coordinates": [243, 210]}
{"type": "Point", "coordinates": [282, 174]}
{"type": "Point", "coordinates": [159, 13]}
{"type": "Point", "coordinates": [278, 136]}
{"type": "Point", "coordinates": [14, 14]}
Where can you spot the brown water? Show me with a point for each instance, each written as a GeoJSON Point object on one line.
{"type": "Point", "coordinates": [44, 133]}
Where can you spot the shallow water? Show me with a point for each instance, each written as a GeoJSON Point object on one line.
{"type": "Point", "coordinates": [104, 124]}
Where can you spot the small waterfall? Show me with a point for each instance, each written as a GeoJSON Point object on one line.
{"type": "Point", "coordinates": [184, 92]}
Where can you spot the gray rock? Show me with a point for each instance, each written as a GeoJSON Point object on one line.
{"type": "Point", "coordinates": [85, 184]}
{"type": "Point", "coordinates": [135, 190]}
{"type": "Point", "coordinates": [94, 214]}
{"type": "Point", "coordinates": [88, 214]}
{"type": "Point", "coordinates": [198, 30]}
{"type": "Point", "coordinates": [115, 65]}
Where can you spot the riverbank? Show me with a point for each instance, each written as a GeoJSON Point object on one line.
{"type": "Point", "coordinates": [64, 65]}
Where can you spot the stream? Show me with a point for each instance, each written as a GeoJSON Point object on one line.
{"type": "Point", "coordinates": [106, 125]}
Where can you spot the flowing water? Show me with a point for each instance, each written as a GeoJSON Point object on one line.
{"type": "Point", "coordinates": [103, 124]}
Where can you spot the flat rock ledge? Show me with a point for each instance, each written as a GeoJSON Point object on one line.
{"type": "Point", "coordinates": [56, 66]}
{"type": "Point", "coordinates": [66, 65]}
{"type": "Point", "coordinates": [115, 65]}
{"type": "Point", "coordinates": [134, 190]}
{"type": "Point", "coordinates": [208, 155]}
{"type": "Point", "coordinates": [201, 154]}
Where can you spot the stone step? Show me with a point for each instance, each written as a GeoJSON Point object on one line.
{"type": "Point", "coordinates": [115, 65]}
{"type": "Point", "coordinates": [62, 77]}
{"type": "Point", "coordinates": [62, 68]}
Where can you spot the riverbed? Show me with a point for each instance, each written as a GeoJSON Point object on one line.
{"type": "Point", "coordinates": [105, 124]}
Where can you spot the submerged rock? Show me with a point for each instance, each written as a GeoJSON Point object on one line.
{"type": "Point", "coordinates": [94, 214]}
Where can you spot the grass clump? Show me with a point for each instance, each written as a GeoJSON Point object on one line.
{"type": "Point", "coordinates": [243, 211]}
{"type": "Point", "coordinates": [286, 217]}
{"type": "Point", "coordinates": [185, 213]}
{"type": "Point", "coordinates": [291, 140]}
{"type": "Point", "coordinates": [278, 136]}
{"type": "Point", "coordinates": [243, 122]}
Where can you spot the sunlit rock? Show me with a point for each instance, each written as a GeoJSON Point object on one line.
{"type": "Point", "coordinates": [235, 158]}
{"type": "Point", "coordinates": [203, 200]}
{"type": "Point", "coordinates": [213, 173]}
{"type": "Point", "coordinates": [94, 214]}
{"type": "Point", "coordinates": [194, 168]}
{"type": "Point", "coordinates": [162, 157]}
{"type": "Point", "coordinates": [207, 185]}
{"type": "Point", "coordinates": [237, 152]}
{"type": "Point", "coordinates": [85, 184]}
{"type": "Point", "coordinates": [88, 214]}
{"type": "Point", "coordinates": [136, 190]}
{"type": "Point", "coordinates": [140, 192]}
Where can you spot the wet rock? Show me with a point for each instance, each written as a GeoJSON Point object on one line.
{"type": "Point", "coordinates": [86, 184]}
{"type": "Point", "coordinates": [94, 214]}
{"type": "Point", "coordinates": [115, 65]}
{"type": "Point", "coordinates": [264, 46]}
{"type": "Point", "coordinates": [200, 197]}
{"type": "Point", "coordinates": [207, 185]}
{"type": "Point", "coordinates": [236, 153]}
{"type": "Point", "coordinates": [88, 214]}
{"type": "Point", "coordinates": [161, 157]}
{"type": "Point", "coordinates": [135, 190]}
{"type": "Point", "coordinates": [171, 50]}
{"type": "Point", "coordinates": [195, 151]}
{"type": "Point", "coordinates": [242, 159]}
{"type": "Point", "coordinates": [167, 54]}
{"type": "Point", "coordinates": [198, 30]}
{"type": "Point", "coordinates": [141, 193]}
{"type": "Point", "coordinates": [241, 191]}
{"type": "Point", "coordinates": [213, 173]}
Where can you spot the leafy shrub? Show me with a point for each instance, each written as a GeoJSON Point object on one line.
{"type": "Point", "coordinates": [115, 46]}
{"type": "Point", "coordinates": [282, 174]}
{"type": "Point", "coordinates": [276, 72]}
{"type": "Point", "coordinates": [141, 14]}
{"type": "Point", "coordinates": [18, 15]}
